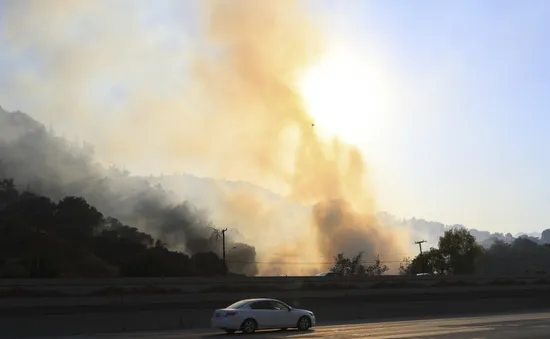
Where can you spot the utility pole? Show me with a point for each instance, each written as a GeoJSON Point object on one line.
{"type": "Point", "coordinates": [419, 243]}
{"type": "Point", "coordinates": [37, 273]}
{"type": "Point", "coordinates": [223, 251]}
{"type": "Point", "coordinates": [39, 234]}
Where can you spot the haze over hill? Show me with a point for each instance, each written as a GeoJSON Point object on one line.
{"type": "Point", "coordinates": [237, 112]}
{"type": "Point", "coordinates": [211, 194]}
{"type": "Point", "coordinates": [51, 165]}
{"type": "Point", "coordinates": [231, 92]}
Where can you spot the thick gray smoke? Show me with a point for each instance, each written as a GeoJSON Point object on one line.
{"type": "Point", "coordinates": [55, 167]}
{"type": "Point", "coordinates": [218, 97]}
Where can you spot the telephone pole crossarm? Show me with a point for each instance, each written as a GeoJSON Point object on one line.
{"type": "Point", "coordinates": [419, 243]}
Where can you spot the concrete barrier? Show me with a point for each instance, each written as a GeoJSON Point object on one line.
{"type": "Point", "coordinates": [71, 287]}
{"type": "Point", "coordinates": [58, 305]}
{"type": "Point", "coordinates": [343, 308]}
{"type": "Point", "coordinates": [240, 279]}
{"type": "Point", "coordinates": [78, 305]}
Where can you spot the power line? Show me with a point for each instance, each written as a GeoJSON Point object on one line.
{"type": "Point", "coordinates": [308, 263]}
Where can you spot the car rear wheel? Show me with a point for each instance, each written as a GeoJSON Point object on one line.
{"type": "Point", "coordinates": [249, 326]}
{"type": "Point", "coordinates": [304, 323]}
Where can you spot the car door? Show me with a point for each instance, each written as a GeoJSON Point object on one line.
{"type": "Point", "coordinates": [263, 313]}
{"type": "Point", "coordinates": [282, 316]}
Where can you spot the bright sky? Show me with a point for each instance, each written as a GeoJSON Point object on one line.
{"type": "Point", "coordinates": [453, 100]}
{"type": "Point", "coordinates": [469, 141]}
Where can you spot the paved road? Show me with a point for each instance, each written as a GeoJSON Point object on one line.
{"type": "Point", "coordinates": [516, 326]}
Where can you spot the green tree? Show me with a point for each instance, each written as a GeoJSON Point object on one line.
{"type": "Point", "coordinates": [458, 253]}
{"type": "Point", "coordinates": [8, 192]}
{"type": "Point", "coordinates": [405, 266]}
{"type": "Point", "coordinates": [377, 268]}
{"type": "Point", "coordinates": [76, 219]}
{"type": "Point", "coordinates": [354, 266]}
{"type": "Point", "coordinates": [431, 262]}
{"type": "Point", "coordinates": [344, 266]}
{"type": "Point", "coordinates": [459, 250]}
{"type": "Point", "coordinates": [522, 257]}
{"type": "Point", "coordinates": [40, 238]}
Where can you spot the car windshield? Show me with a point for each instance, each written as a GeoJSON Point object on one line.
{"type": "Point", "coordinates": [286, 304]}
{"type": "Point", "coordinates": [238, 304]}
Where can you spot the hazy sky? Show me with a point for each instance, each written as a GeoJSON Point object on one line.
{"type": "Point", "coordinates": [461, 133]}
{"type": "Point", "coordinates": [472, 148]}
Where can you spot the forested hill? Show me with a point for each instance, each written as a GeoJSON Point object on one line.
{"type": "Point", "coordinates": [37, 163]}
{"type": "Point", "coordinates": [71, 238]}
{"type": "Point", "coordinates": [54, 168]}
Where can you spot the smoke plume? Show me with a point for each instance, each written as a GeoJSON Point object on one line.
{"type": "Point", "coordinates": [55, 167]}
{"type": "Point", "coordinates": [263, 46]}
{"type": "Point", "coordinates": [211, 92]}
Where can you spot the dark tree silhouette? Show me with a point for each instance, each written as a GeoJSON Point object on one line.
{"type": "Point", "coordinates": [344, 266]}
{"type": "Point", "coordinates": [71, 238]}
{"type": "Point", "coordinates": [460, 251]}
{"type": "Point", "coordinates": [523, 256]}
{"type": "Point", "coordinates": [432, 261]}
{"type": "Point", "coordinates": [76, 219]}
{"type": "Point", "coordinates": [459, 254]}
{"type": "Point", "coordinates": [51, 166]}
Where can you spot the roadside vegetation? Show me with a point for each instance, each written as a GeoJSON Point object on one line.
{"type": "Point", "coordinates": [43, 238]}
{"type": "Point", "coordinates": [458, 253]}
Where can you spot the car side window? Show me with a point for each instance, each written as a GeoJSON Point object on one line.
{"type": "Point", "coordinates": [278, 306]}
{"type": "Point", "coordinates": [261, 305]}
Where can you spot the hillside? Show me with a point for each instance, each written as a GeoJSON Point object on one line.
{"type": "Point", "coordinates": [179, 209]}
{"type": "Point", "coordinates": [211, 195]}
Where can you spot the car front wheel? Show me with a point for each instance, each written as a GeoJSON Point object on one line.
{"type": "Point", "coordinates": [304, 323]}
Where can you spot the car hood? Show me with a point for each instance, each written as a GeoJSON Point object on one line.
{"type": "Point", "coordinates": [299, 310]}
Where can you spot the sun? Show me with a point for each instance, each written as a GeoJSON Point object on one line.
{"type": "Point", "coordinates": [346, 96]}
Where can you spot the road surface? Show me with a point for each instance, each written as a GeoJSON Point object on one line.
{"type": "Point", "coordinates": [512, 326]}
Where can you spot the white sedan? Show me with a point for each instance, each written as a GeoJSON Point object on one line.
{"type": "Point", "coordinates": [250, 315]}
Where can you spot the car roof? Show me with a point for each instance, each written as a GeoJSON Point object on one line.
{"type": "Point", "coordinates": [259, 299]}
